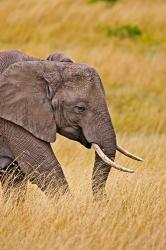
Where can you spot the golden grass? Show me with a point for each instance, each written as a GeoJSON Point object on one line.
{"type": "Point", "coordinates": [134, 217]}
{"type": "Point", "coordinates": [133, 73]}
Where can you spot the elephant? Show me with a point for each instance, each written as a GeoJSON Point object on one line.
{"type": "Point", "coordinates": [39, 98]}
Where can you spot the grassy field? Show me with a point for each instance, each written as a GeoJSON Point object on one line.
{"type": "Point", "coordinates": [126, 43]}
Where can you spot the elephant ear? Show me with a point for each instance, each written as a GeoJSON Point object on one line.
{"type": "Point", "coordinates": [25, 98]}
{"type": "Point", "coordinates": [59, 57]}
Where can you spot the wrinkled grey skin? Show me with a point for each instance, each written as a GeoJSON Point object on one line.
{"type": "Point", "coordinates": [9, 167]}
{"type": "Point", "coordinates": [40, 98]}
{"type": "Point", "coordinates": [12, 56]}
{"type": "Point", "coordinates": [59, 57]}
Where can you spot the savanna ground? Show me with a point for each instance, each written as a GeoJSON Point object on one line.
{"type": "Point", "coordinates": [126, 42]}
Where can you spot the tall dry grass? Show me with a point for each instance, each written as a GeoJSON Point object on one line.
{"type": "Point", "coordinates": [133, 74]}
{"type": "Point", "coordinates": [134, 217]}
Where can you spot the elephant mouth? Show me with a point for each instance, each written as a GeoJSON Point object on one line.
{"type": "Point", "coordinates": [84, 141]}
{"type": "Point", "coordinates": [75, 134]}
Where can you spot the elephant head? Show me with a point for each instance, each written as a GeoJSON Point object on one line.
{"type": "Point", "coordinates": [61, 96]}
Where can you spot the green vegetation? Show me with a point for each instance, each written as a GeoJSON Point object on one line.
{"type": "Point", "coordinates": [107, 1]}
{"type": "Point", "coordinates": [123, 31]}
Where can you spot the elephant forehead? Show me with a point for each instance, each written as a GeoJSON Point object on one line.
{"type": "Point", "coordinates": [80, 77]}
{"type": "Point", "coordinates": [79, 71]}
{"type": "Point", "coordinates": [86, 93]}
{"type": "Point", "coordinates": [69, 92]}
{"type": "Point", "coordinates": [83, 82]}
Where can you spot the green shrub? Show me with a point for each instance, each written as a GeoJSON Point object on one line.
{"type": "Point", "coordinates": [107, 1]}
{"type": "Point", "coordinates": [123, 31]}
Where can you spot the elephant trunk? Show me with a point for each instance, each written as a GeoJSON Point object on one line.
{"type": "Point", "coordinates": [105, 147]}
{"type": "Point", "coordinates": [103, 138]}
{"type": "Point", "coordinates": [101, 168]}
{"type": "Point", "coordinates": [99, 176]}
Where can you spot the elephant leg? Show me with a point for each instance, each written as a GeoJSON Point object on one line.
{"type": "Point", "coordinates": [37, 160]}
{"type": "Point", "coordinates": [11, 177]}
{"type": "Point", "coordinates": [51, 182]}
{"type": "Point", "coordinates": [48, 175]}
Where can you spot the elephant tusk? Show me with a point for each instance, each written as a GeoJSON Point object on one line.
{"type": "Point", "coordinates": [125, 152]}
{"type": "Point", "coordinates": [109, 161]}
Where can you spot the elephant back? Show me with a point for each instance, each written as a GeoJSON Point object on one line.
{"type": "Point", "coordinates": [12, 56]}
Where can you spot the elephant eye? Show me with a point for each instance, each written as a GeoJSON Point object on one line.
{"type": "Point", "coordinates": [79, 108]}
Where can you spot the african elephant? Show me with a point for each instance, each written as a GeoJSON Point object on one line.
{"type": "Point", "coordinates": [41, 97]}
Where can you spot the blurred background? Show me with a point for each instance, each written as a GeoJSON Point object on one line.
{"type": "Point", "coordinates": [125, 40]}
